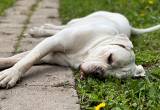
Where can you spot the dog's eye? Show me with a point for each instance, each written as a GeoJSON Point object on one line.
{"type": "Point", "coordinates": [110, 60]}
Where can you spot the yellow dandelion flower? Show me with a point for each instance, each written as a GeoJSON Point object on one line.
{"type": "Point", "coordinates": [142, 14]}
{"type": "Point", "coordinates": [151, 2]}
{"type": "Point", "coordinates": [101, 105]}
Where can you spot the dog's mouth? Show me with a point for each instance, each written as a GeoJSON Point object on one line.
{"type": "Point", "coordinates": [93, 71]}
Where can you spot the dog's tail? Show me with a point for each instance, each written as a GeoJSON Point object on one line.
{"type": "Point", "coordinates": [141, 31]}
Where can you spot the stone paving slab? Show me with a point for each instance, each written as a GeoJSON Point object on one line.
{"type": "Point", "coordinates": [13, 17]}
{"type": "Point", "coordinates": [42, 87]}
{"type": "Point", "coordinates": [41, 22]}
{"type": "Point", "coordinates": [5, 45]}
{"type": "Point", "coordinates": [38, 98]}
{"type": "Point", "coordinates": [48, 76]}
{"type": "Point", "coordinates": [30, 42]}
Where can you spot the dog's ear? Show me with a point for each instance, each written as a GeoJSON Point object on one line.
{"type": "Point", "coordinates": [139, 71]}
{"type": "Point", "coordinates": [122, 40]}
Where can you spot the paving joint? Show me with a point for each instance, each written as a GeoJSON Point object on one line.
{"type": "Point", "coordinates": [24, 28]}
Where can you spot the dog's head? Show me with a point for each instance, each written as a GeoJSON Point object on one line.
{"type": "Point", "coordinates": [113, 57]}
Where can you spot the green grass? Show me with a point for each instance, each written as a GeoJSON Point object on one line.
{"type": "Point", "coordinates": [129, 94]}
{"type": "Point", "coordinates": [4, 4]}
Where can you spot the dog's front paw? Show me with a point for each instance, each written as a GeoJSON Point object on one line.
{"type": "Point", "coordinates": [9, 77]}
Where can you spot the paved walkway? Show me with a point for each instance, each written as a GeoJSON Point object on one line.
{"type": "Point", "coordinates": [43, 87]}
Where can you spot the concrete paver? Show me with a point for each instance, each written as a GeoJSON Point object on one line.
{"type": "Point", "coordinates": [14, 17]}
{"type": "Point", "coordinates": [38, 98]}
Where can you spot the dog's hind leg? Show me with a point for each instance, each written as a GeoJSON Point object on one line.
{"type": "Point", "coordinates": [53, 27]}
{"type": "Point", "coordinates": [46, 30]}
{"type": "Point", "coordinates": [40, 32]}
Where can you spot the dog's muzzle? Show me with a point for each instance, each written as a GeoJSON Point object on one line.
{"type": "Point", "coordinates": [96, 71]}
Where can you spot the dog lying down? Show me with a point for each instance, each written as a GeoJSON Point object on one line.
{"type": "Point", "coordinates": [97, 44]}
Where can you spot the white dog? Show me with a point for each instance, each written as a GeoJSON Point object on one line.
{"type": "Point", "coordinates": [98, 44]}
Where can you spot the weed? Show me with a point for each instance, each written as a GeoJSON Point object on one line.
{"type": "Point", "coordinates": [4, 4]}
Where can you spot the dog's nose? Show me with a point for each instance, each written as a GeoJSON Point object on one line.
{"type": "Point", "coordinates": [91, 70]}
{"type": "Point", "coordinates": [98, 71]}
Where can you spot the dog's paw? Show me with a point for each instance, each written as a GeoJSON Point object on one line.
{"type": "Point", "coordinates": [36, 32]}
{"type": "Point", "coordinates": [9, 77]}
{"type": "Point", "coordinates": [139, 71]}
{"type": "Point", "coordinates": [40, 32]}
{"type": "Point", "coordinates": [49, 26]}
